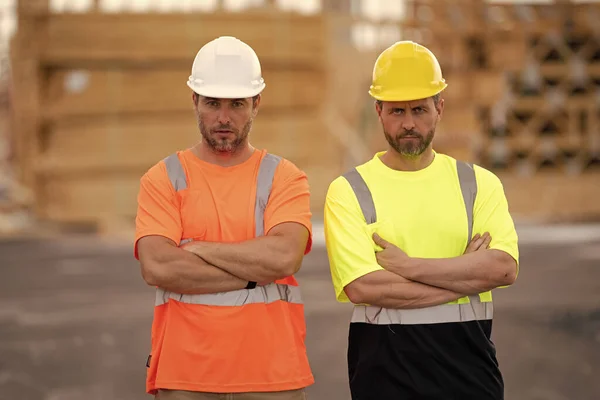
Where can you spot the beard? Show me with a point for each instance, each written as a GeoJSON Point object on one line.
{"type": "Point", "coordinates": [224, 144]}
{"type": "Point", "coordinates": [410, 148]}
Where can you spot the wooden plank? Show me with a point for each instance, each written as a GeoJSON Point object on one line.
{"type": "Point", "coordinates": [534, 104]}
{"type": "Point", "coordinates": [553, 197]}
{"type": "Point", "coordinates": [458, 120]}
{"type": "Point", "coordinates": [32, 8]}
{"type": "Point", "coordinates": [81, 92]}
{"type": "Point", "coordinates": [83, 199]}
{"type": "Point", "coordinates": [559, 70]}
{"type": "Point", "coordinates": [458, 131]}
{"type": "Point", "coordinates": [489, 88]}
{"type": "Point", "coordinates": [278, 38]}
{"type": "Point", "coordinates": [507, 51]}
{"type": "Point", "coordinates": [26, 91]}
{"type": "Point", "coordinates": [109, 144]}
{"type": "Point", "coordinates": [460, 86]}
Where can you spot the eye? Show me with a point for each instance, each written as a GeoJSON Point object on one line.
{"type": "Point", "coordinates": [397, 111]}
{"type": "Point", "coordinates": [418, 110]}
{"type": "Point", "coordinates": [238, 104]}
{"type": "Point", "coordinates": [212, 103]}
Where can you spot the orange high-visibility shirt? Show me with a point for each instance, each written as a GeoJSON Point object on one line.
{"type": "Point", "coordinates": [202, 342]}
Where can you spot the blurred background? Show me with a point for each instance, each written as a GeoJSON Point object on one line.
{"type": "Point", "coordinates": [92, 93]}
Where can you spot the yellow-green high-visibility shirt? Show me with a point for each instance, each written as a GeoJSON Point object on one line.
{"type": "Point", "coordinates": [422, 212]}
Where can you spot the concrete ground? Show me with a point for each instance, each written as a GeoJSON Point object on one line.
{"type": "Point", "coordinates": [75, 320]}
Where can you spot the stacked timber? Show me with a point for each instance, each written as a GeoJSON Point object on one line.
{"type": "Point", "coordinates": [522, 97]}
{"type": "Point", "coordinates": [102, 97]}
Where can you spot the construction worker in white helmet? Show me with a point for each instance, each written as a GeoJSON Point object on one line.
{"type": "Point", "coordinates": [221, 229]}
{"type": "Point", "coordinates": [416, 241]}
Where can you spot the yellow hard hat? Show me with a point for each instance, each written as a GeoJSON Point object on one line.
{"type": "Point", "coordinates": [406, 71]}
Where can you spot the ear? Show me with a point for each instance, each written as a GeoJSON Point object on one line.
{"type": "Point", "coordinates": [255, 105]}
{"type": "Point", "coordinates": [195, 99]}
{"type": "Point", "coordinates": [440, 109]}
{"type": "Point", "coordinates": [378, 109]}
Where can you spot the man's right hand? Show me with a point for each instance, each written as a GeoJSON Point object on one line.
{"type": "Point", "coordinates": [479, 242]}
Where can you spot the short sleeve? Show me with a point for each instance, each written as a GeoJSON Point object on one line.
{"type": "Point", "coordinates": [289, 200]}
{"type": "Point", "coordinates": [350, 246]}
{"type": "Point", "coordinates": [158, 207]}
{"type": "Point", "coordinates": [491, 214]}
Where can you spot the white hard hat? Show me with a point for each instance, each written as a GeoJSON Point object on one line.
{"type": "Point", "coordinates": [226, 68]}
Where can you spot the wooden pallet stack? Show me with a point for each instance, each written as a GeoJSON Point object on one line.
{"type": "Point", "coordinates": [99, 98]}
{"type": "Point", "coordinates": [524, 81]}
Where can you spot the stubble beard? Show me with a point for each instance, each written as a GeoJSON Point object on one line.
{"type": "Point", "coordinates": [410, 148]}
{"type": "Point", "coordinates": [225, 145]}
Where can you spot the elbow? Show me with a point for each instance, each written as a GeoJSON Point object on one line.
{"type": "Point", "coordinates": [356, 293]}
{"type": "Point", "coordinates": [509, 276]}
{"type": "Point", "coordinates": [289, 264]}
{"type": "Point", "coordinates": [150, 274]}
{"type": "Point", "coordinates": [507, 270]}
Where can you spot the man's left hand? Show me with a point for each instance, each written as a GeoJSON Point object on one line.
{"type": "Point", "coordinates": [392, 258]}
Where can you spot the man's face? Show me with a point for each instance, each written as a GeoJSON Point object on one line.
{"type": "Point", "coordinates": [409, 126]}
{"type": "Point", "coordinates": [225, 123]}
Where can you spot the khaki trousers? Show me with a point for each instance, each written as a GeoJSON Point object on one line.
{"type": "Point", "coordinates": [164, 394]}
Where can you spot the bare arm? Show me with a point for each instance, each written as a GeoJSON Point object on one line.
{"type": "Point", "coordinates": [176, 270]}
{"type": "Point", "coordinates": [386, 289]}
{"type": "Point", "coordinates": [265, 259]}
{"type": "Point", "coordinates": [472, 273]}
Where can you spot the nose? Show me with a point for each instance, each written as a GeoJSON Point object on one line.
{"type": "Point", "coordinates": [223, 116]}
{"type": "Point", "coordinates": [408, 122]}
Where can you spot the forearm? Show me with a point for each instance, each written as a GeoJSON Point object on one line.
{"type": "Point", "coordinates": [264, 259]}
{"type": "Point", "coordinates": [183, 272]}
{"type": "Point", "coordinates": [470, 273]}
{"type": "Point", "coordinates": [386, 289]}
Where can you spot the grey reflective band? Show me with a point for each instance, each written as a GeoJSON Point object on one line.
{"type": "Point", "coordinates": [176, 172]}
{"type": "Point", "coordinates": [363, 195]}
{"type": "Point", "coordinates": [468, 187]}
{"type": "Point", "coordinates": [266, 173]}
{"type": "Point", "coordinates": [261, 294]}
{"type": "Point", "coordinates": [444, 313]}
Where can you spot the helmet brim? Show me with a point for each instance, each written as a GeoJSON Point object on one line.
{"type": "Point", "coordinates": [406, 94]}
{"type": "Point", "coordinates": [226, 92]}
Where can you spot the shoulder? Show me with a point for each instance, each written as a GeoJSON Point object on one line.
{"type": "Point", "coordinates": [340, 190]}
{"type": "Point", "coordinates": [286, 170]}
{"type": "Point", "coordinates": [157, 174]}
{"type": "Point", "coordinates": [483, 176]}
{"type": "Point", "coordinates": [486, 178]}
{"type": "Point", "coordinates": [341, 184]}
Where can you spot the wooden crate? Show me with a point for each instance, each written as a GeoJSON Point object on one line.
{"type": "Point", "coordinates": [99, 98]}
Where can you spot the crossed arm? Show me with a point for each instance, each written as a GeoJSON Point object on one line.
{"type": "Point", "coordinates": [207, 267]}
{"type": "Point", "coordinates": [408, 282]}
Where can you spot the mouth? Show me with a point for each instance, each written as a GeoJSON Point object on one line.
{"type": "Point", "coordinates": [223, 131]}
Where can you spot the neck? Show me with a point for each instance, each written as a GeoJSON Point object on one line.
{"type": "Point", "coordinates": [399, 162]}
{"type": "Point", "coordinates": [223, 159]}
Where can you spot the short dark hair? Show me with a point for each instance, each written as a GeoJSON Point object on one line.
{"type": "Point", "coordinates": [254, 99]}
{"type": "Point", "coordinates": [436, 100]}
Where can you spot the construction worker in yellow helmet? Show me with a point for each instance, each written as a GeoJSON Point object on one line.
{"type": "Point", "coordinates": [417, 240]}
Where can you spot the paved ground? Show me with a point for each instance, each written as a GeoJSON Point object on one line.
{"type": "Point", "coordinates": [75, 321]}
